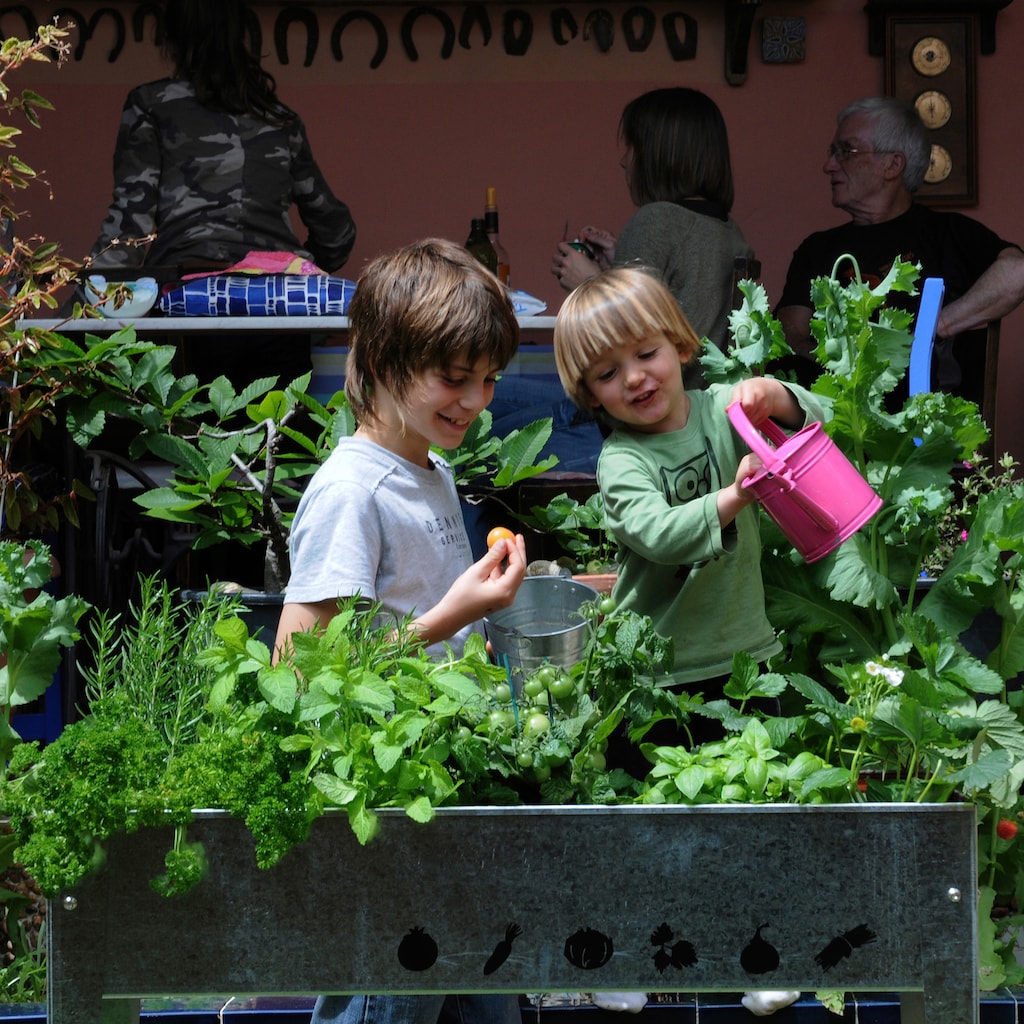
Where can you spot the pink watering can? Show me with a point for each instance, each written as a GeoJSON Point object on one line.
{"type": "Point", "coordinates": [809, 488]}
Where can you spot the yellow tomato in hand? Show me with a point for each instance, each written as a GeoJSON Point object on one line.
{"type": "Point", "coordinates": [500, 533]}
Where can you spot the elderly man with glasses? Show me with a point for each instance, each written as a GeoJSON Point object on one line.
{"type": "Point", "coordinates": [876, 162]}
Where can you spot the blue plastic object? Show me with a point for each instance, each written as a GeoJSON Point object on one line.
{"type": "Point", "coordinates": [45, 724]}
{"type": "Point", "coordinates": [924, 335]}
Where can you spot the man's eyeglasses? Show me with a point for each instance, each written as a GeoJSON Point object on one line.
{"type": "Point", "coordinates": [842, 151]}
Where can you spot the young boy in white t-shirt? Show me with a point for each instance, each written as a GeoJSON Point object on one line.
{"type": "Point", "coordinates": [430, 330]}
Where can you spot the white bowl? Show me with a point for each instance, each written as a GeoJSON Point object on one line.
{"type": "Point", "coordinates": [143, 293]}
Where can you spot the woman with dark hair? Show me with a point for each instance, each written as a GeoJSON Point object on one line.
{"type": "Point", "coordinates": [207, 166]}
{"type": "Point", "coordinates": [210, 161]}
{"type": "Point", "coordinates": [679, 176]}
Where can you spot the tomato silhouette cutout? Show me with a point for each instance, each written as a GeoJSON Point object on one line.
{"type": "Point", "coordinates": [417, 951]}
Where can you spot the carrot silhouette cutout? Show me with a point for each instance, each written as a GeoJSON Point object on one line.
{"type": "Point", "coordinates": [503, 948]}
{"type": "Point", "coordinates": [843, 946]}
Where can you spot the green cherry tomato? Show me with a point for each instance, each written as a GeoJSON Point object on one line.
{"type": "Point", "coordinates": [596, 760]}
{"type": "Point", "coordinates": [502, 694]}
{"type": "Point", "coordinates": [562, 686]}
{"type": "Point", "coordinates": [533, 686]}
{"type": "Point", "coordinates": [606, 605]}
{"type": "Point", "coordinates": [547, 674]}
{"type": "Point", "coordinates": [463, 732]}
{"type": "Point", "coordinates": [536, 724]}
{"type": "Point", "coordinates": [524, 758]}
{"type": "Point", "coordinates": [555, 758]}
{"type": "Point", "coordinates": [500, 721]}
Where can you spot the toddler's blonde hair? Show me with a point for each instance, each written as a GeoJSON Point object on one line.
{"type": "Point", "coordinates": [617, 307]}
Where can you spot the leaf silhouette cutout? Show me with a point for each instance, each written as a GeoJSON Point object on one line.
{"type": "Point", "coordinates": [683, 954]}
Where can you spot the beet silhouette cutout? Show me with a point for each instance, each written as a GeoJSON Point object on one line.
{"type": "Point", "coordinates": [588, 948]}
{"type": "Point", "coordinates": [759, 956]}
{"type": "Point", "coordinates": [417, 951]}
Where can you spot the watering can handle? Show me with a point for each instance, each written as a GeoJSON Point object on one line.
{"type": "Point", "coordinates": [752, 435]}
{"type": "Point", "coordinates": [769, 457]}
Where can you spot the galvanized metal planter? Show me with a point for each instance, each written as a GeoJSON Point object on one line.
{"type": "Point", "coordinates": [875, 897]}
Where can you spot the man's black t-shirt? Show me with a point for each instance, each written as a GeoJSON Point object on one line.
{"type": "Point", "coordinates": [947, 245]}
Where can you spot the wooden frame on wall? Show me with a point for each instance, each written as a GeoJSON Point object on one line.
{"type": "Point", "coordinates": [932, 63]}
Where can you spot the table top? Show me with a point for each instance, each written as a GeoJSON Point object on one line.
{"type": "Point", "coordinates": [204, 324]}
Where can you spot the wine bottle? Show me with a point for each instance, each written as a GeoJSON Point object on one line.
{"type": "Point", "coordinates": [491, 224]}
{"type": "Point", "coordinates": [480, 245]}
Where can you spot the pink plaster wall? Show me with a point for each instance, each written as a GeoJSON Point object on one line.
{"type": "Point", "coordinates": [411, 146]}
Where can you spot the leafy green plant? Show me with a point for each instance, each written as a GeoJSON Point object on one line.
{"type": "Point", "coordinates": [33, 273]}
{"type": "Point", "coordinates": [875, 680]}
{"type": "Point", "coordinates": [239, 461]}
{"type": "Point", "coordinates": [186, 710]}
{"type": "Point", "coordinates": [34, 627]}
{"type": "Point", "coordinates": [106, 769]}
{"type": "Point", "coordinates": [23, 979]}
{"type": "Point", "coordinates": [495, 463]}
{"type": "Point", "coordinates": [579, 528]}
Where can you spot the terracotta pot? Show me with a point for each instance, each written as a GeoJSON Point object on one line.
{"type": "Point", "coordinates": [601, 582]}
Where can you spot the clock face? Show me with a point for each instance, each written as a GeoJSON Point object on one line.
{"type": "Point", "coordinates": [934, 108]}
{"type": "Point", "coordinates": [940, 166]}
{"type": "Point", "coordinates": [930, 56]}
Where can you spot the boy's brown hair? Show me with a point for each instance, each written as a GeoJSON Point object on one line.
{"type": "Point", "coordinates": [421, 307]}
{"type": "Point", "coordinates": [618, 307]}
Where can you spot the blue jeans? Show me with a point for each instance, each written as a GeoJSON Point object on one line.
{"type": "Point", "coordinates": [440, 1009]}
{"type": "Point", "coordinates": [575, 436]}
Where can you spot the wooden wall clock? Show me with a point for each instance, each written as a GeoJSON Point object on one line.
{"type": "Point", "coordinates": [931, 62]}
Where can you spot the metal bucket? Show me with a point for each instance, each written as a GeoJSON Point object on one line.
{"type": "Point", "coordinates": [542, 624]}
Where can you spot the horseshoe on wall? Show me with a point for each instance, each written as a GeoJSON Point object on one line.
{"type": "Point", "coordinates": [637, 42]}
{"type": "Point", "coordinates": [562, 17]}
{"type": "Point", "coordinates": [31, 25]}
{"type": "Point", "coordinates": [90, 28]}
{"type": "Point", "coordinates": [474, 13]}
{"type": "Point", "coordinates": [446, 23]}
{"type": "Point", "coordinates": [680, 49]}
{"type": "Point", "coordinates": [600, 24]}
{"type": "Point", "coordinates": [378, 26]}
{"type": "Point", "coordinates": [139, 16]}
{"type": "Point", "coordinates": [518, 32]}
{"type": "Point", "coordinates": [284, 20]}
